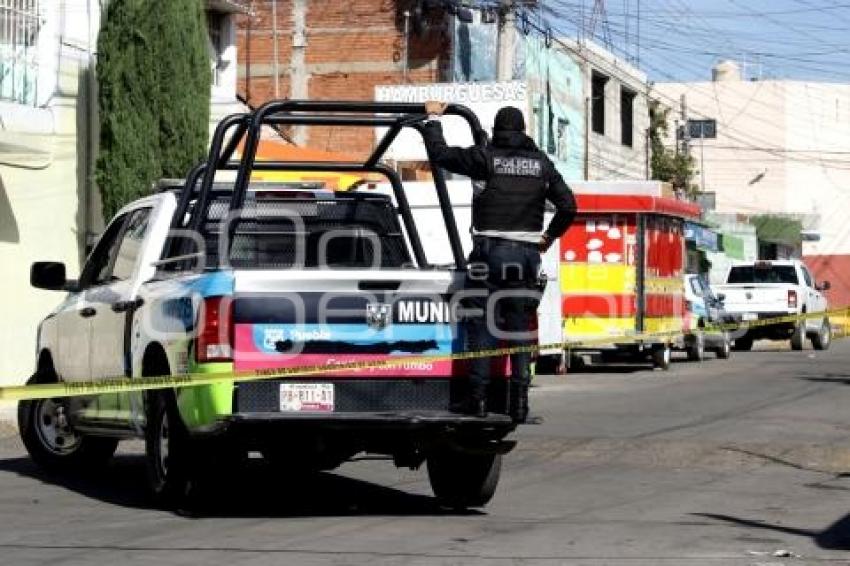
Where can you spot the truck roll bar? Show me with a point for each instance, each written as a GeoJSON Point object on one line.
{"type": "Point", "coordinates": [247, 129]}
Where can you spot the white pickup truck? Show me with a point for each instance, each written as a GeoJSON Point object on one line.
{"type": "Point", "coordinates": [212, 277]}
{"type": "Point", "coordinates": [769, 289]}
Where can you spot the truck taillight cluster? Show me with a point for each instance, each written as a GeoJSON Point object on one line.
{"type": "Point", "coordinates": [214, 342]}
{"type": "Point", "coordinates": [792, 299]}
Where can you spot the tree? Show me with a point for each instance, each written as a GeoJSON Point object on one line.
{"type": "Point", "coordinates": [671, 166]}
{"type": "Point", "coordinates": [154, 94]}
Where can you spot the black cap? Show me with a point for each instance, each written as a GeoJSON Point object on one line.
{"type": "Point", "coordinates": [509, 119]}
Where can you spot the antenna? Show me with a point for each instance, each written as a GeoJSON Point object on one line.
{"type": "Point", "coordinates": [599, 14]}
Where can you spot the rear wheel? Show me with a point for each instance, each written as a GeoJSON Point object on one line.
{"type": "Point", "coordinates": [50, 438]}
{"type": "Point", "coordinates": [696, 347]}
{"type": "Point", "coordinates": [460, 480]}
{"type": "Point", "coordinates": [725, 349]}
{"type": "Point", "coordinates": [743, 344]}
{"type": "Point", "coordinates": [799, 337]}
{"type": "Point", "coordinates": [661, 356]}
{"type": "Point", "coordinates": [823, 338]}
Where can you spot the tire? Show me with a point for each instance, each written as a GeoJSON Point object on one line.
{"type": "Point", "coordinates": [798, 339]}
{"type": "Point", "coordinates": [551, 364]}
{"type": "Point", "coordinates": [725, 349]}
{"type": "Point", "coordinates": [743, 344]}
{"type": "Point", "coordinates": [51, 440]}
{"type": "Point", "coordinates": [823, 338]}
{"type": "Point", "coordinates": [461, 480]}
{"type": "Point", "coordinates": [661, 357]}
{"type": "Point", "coordinates": [696, 347]}
{"type": "Point", "coordinates": [167, 451]}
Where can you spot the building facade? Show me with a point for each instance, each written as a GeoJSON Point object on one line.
{"type": "Point", "coordinates": [49, 204]}
{"type": "Point", "coordinates": [776, 151]}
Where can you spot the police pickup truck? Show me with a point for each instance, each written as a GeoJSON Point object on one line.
{"type": "Point", "coordinates": [221, 277]}
{"type": "Point", "coordinates": [760, 290]}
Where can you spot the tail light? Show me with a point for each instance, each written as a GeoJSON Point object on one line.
{"type": "Point", "coordinates": [214, 342]}
{"type": "Point", "coordinates": [792, 299]}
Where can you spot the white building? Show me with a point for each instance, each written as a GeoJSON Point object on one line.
{"type": "Point", "coordinates": [617, 113]}
{"type": "Point", "coordinates": [775, 147]}
{"type": "Point", "coordinates": [49, 205]}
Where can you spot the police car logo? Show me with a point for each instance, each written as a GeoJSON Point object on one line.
{"type": "Point", "coordinates": [378, 315]}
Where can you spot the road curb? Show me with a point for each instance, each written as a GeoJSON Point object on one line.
{"type": "Point", "coordinates": [8, 417]}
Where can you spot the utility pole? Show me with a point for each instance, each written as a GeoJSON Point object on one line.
{"type": "Point", "coordinates": [299, 79]}
{"type": "Point", "coordinates": [507, 32]}
{"type": "Point", "coordinates": [686, 139]}
{"type": "Point", "coordinates": [275, 54]}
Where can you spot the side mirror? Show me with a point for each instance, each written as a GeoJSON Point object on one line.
{"type": "Point", "coordinates": [50, 275]}
{"type": "Point", "coordinates": [823, 286]}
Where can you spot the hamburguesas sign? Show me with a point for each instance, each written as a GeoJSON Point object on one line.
{"type": "Point", "coordinates": [483, 98]}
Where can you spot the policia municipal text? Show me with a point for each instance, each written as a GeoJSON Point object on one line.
{"type": "Point", "coordinates": [512, 181]}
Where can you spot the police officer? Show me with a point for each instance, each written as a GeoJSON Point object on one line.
{"type": "Point", "coordinates": [515, 179]}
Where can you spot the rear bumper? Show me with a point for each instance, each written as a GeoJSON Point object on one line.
{"type": "Point", "coordinates": [400, 420]}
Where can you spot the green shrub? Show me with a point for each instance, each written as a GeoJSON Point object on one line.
{"type": "Point", "coordinates": [154, 94]}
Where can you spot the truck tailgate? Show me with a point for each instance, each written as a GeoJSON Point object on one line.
{"type": "Point", "coordinates": [290, 319]}
{"type": "Point", "coordinates": [764, 297]}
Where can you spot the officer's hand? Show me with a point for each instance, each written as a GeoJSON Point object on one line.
{"type": "Point", "coordinates": [435, 107]}
{"type": "Point", "coordinates": [544, 244]}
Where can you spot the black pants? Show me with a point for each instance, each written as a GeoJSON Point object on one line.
{"type": "Point", "coordinates": [502, 299]}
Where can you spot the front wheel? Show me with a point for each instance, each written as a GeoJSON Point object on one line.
{"type": "Point", "coordinates": [460, 480]}
{"type": "Point", "coordinates": [823, 338]}
{"type": "Point", "coordinates": [52, 441]}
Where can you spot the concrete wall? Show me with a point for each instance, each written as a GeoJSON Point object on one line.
{"type": "Point", "coordinates": [46, 153]}
{"type": "Point", "coordinates": [556, 84]}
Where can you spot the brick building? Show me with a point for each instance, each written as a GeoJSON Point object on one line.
{"type": "Point", "coordinates": [336, 50]}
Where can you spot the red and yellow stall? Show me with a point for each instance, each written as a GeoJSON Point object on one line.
{"type": "Point", "coordinates": [621, 267]}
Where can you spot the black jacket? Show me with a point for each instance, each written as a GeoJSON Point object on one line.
{"type": "Point", "coordinates": [518, 177]}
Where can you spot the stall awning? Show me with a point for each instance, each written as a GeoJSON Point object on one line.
{"type": "Point", "coordinates": [733, 246]}
{"type": "Point", "coordinates": [274, 150]}
{"type": "Point", "coordinates": [703, 237]}
{"type": "Point", "coordinates": [778, 229]}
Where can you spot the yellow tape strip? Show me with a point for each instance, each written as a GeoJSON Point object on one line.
{"type": "Point", "coordinates": [123, 384]}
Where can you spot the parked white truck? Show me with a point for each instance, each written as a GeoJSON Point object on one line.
{"type": "Point", "coordinates": [768, 289]}
{"type": "Point", "coordinates": [215, 277]}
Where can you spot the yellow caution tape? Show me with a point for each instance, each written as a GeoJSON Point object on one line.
{"type": "Point", "coordinates": [125, 385]}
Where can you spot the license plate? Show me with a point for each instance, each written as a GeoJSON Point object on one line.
{"type": "Point", "coordinates": [306, 397]}
{"type": "Point", "coordinates": [749, 316]}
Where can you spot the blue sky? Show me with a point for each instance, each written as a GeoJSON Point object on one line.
{"type": "Point", "coordinates": [682, 39]}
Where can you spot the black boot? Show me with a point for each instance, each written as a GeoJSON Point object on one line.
{"type": "Point", "coordinates": [518, 403]}
{"type": "Point", "coordinates": [475, 404]}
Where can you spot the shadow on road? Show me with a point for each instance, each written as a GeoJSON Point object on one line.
{"type": "Point", "coordinates": [256, 490]}
{"type": "Point", "coordinates": [842, 378]}
{"type": "Point", "coordinates": [834, 537]}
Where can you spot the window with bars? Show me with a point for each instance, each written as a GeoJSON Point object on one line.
{"type": "Point", "coordinates": [20, 22]}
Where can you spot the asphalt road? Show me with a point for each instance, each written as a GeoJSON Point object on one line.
{"type": "Point", "coordinates": [738, 462]}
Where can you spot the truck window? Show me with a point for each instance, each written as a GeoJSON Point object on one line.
{"type": "Point", "coordinates": [346, 231]}
{"type": "Point", "coordinates": [763, 274]}
{"type": "Point", "coordinates": [99, 264]}
{"type": "Point", "coordinates": [807, 277]}
{"type": "Point", "coordinates": [131, 244]}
